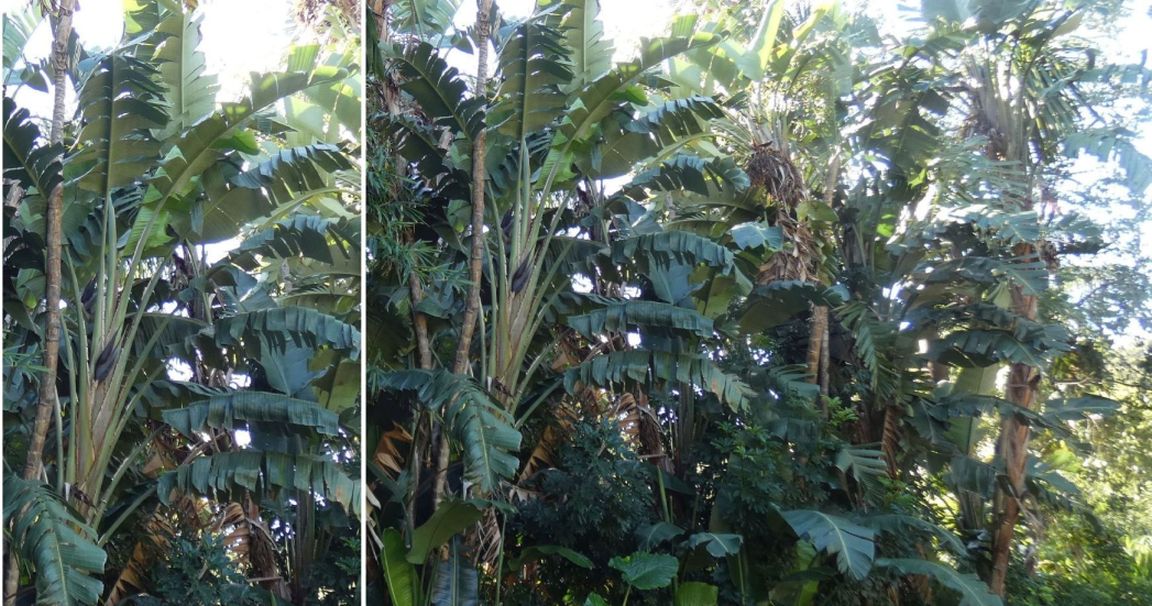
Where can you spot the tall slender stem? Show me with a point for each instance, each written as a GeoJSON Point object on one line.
{"type": "Point", "coordinates": [48, 399]}
{"type": "Point", "coordinates": [476, 264]}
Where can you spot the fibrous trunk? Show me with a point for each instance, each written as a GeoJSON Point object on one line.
{"type": "Point", "coordinates": [47, 403]}
{"type": "Point", "coordinates": [1023, 381]}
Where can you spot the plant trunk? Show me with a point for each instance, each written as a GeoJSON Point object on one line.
{"type": "Point", "coordinates": [818, 354]}
{"type": "Point", "coordinates": [890, 440]}
{"type": "Point", "coordinates": [1023, 381]}
{"type": "Point", "coordinates": [420, 322]}
{"type": "Point", "coordinates": [419, 438]}
{"type": "Point", "coordinates": [53, 238]}
{"type": "Point", "coordinates": [476, 264]}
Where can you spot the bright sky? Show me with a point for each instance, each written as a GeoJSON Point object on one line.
{"type": "Point", "coordinates": [230, 28]}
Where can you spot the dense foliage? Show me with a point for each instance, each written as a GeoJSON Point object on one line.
{"type": "Point", "coordinates": [779, 309]}
{"type": "Point", "coordinates": [204, 425]}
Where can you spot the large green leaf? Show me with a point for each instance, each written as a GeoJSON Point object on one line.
{"type": "Point", "coordinates": [640, 366]}
{"type": "Point", "coordinates": [973, 591]}
{"type": "Point", "coordinates": [900, 525]}
{"type": "Point", "coordinates": [260, 471]}
{"type": "Point", "coordinates": [646, 571]}
{"type": "Point", "coordinates": [25, 159]}
{"type": "Point", "coordinates": [298, 236]}
{"type": "Point", "coordinates": [864, 464]}
{"type": "Point", "coordinates": [482, 429]}
{"type": "Point", "coordinates": [190, 92]}
{"type": "Point", "coordinates": [54, 542]}
{"type": "Point", "coordinates": [1030, 274]}
{"type": "Point", "coordinates": [337, 105]}
{"type": "Point", "coordinates": [696, 593]}
{"type": "Point", "coordinates": [532, 62]}
{"type": "Point", "coordinates": [19, 26]}
{"type": "Point", "coordinates": [416, 141]}
{"type": "Point", "coordinates": [776, 302]}
{"type": "Point", "coordinates": [664, 247]}
{"type": "Point", "coordinates": [718, 545]}
{"type": "Point", "coordinates": [422, 18]}
{"type": "Point", "coordinates": [651, 535]}
{"type": "Point", "coordinates": [590, 53]}
{"type": "Point", "coordinates": [1076, 409]}
{"type": "Point", "coordinates": [539, 552]}
{"type": "Point", "coordinates": [280, 327]}
{"type": "Point", "coordinates": [196, 150]}
{"type": "Point", "coordinates": [623, 315]}
{"type": "Point", "coordinates": [966, 474]}
{"type": "Point", "coordinates": [120, 104]}
{"type": "Point", "coordinates": [164, 394]}
{"type": "Point", "coordinates": [438, 88]}
{"type": "Point", "coordinates": [979, 347]}
{"type": "Point", "coordinates": [1114, 144]}
{"type": "Point", "coordinates": [758, 234]}
{"type": "Point", "coordinates": [233, 410]}
{"type": "Point", "coordinates": [602, 96]}
{"type": "Point", "coordinates": [399, 574]}
{"type": "Point", "coordinates": [268, 188]}
{"type": "Point", "coordinates": [451, 518]}
{"type": "Point", "coordinates": [457, 583]}
{"type": "Point", "coordinates": [663, 131]}
{"type": "Point", "coordinates": [684, 171]}
{"type": "Point", "coordinates": [852, 544]}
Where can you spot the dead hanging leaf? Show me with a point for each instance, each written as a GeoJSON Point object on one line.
{"type": "Point", "coordinates": [488, 539]}
{"type": "Point", "coordinates": [543, 455]}
{"type": "Point", "coordinates": [650, 435]}
{"type": "Point", "coordinates": [627, 413]}
{"type": "Point", "coordinates": [150, 546]}
{"type": "Point", "coordinates": [389, 454]}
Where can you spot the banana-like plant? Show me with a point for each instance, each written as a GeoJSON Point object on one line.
{"type": "Point", "coordinates": [555, 129]}
{"type": "Point", "coordinates": [163, 339]}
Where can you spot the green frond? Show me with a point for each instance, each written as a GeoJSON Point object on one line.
{"type": "Point", "coordinates": [853, 545]}
{"type": "Point", "coordinates": [665, 247]}
{"type": "Point", "coordinates": [972, 590]}
{"type": "Point", "coordinates": [620, 367]}
{"type": "Point", "coordinates": [438, 89]}
{"type": "Point", "coordinates": [197, 148]}
{"type": "Point", "coordinates": [54, 542]}
{"type": "Point", "coordinates": [279, 327]}
{"type": "Point", "coordinates": [623, 315]}
{"type": "Point", "coordinates": [481, 428]}
{"type": "Point", "coordinates": [259, 472]}
{"type": "Point", "coordinates": [27, 158]}
{"type": "Point", "coordinates": [590, 52]}
{"type": "Point", "coordinates": [234, 410]}
{"type": "Point", "coordinates": [300, 235]}
{"type": "Point", "coordinates": [533, 64]}
{"type": "Point", "coordinates": [600, 98]}
{"type": "Point", "coordinates": [120, 104]}
{"type": "Point", "coordinates": [190, 92]}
